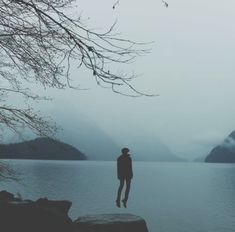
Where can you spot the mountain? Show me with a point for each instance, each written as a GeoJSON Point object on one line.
{"type": "Point", "coordinates": [150, 148]}
{"type": "Point", "coordinates": [40, 148]}
{"type": "Point", "coordinates": [223, 153]}
{"type": "Point", "coordinates": [88, 137]}
{"type": "Point", "coordinates": [87, 134]}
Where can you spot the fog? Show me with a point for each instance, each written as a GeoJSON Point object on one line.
{"type": "Point", "coordinates": [191, 67]}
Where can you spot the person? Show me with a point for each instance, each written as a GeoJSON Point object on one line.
{"type": "Point", "coordinates": [124, 174]}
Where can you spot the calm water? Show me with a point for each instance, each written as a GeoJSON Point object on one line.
{"type": "Point", "coordinates": [172, 197]}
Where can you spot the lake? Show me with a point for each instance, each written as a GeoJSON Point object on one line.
{"type": "Point", "coordinates": [171, 197]}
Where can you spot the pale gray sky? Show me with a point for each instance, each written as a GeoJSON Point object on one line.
{"type": "Point", "coordinates": [191, 66]}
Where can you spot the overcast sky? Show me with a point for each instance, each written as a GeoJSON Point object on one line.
{"type": "Point", "coordinates": [191, 66]}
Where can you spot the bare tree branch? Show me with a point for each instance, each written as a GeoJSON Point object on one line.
{"type": "Point", "coordinates": [38, 43]}
{"type": "Point", "coordinates": [7, 173]}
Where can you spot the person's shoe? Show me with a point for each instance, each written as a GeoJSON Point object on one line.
{"type": "Point", "coordinates": [124, 202]}
{"type": "Point", "coordinates": [118, 204]}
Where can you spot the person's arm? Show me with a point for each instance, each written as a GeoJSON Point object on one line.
{"type": "Point", "coordinates": [131, 171]}
{"type": "Point", "coordinates": [118, 169]}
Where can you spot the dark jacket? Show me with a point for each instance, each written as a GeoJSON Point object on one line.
{"type": "Point", "coordinates": [124, 167]}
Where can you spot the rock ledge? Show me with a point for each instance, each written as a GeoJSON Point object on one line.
{"type": "Point", "coordinates": [111, 223]}
{"type": "Point", "coordinates": [45, 215]}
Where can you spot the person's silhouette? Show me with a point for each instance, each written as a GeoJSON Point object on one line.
{"type": "Point", "coordinates": [124, 174]}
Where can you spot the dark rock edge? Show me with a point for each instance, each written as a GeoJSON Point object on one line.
{"type": "Point", "coordinates": [45, 215]}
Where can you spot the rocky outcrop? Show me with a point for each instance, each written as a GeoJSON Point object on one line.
{"type": "Point", "coordinates": [110, 223]}
{"type": "Point", "coordinates": [44, 215]}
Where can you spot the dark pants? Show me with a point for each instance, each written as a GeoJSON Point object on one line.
{"type": "Point", "coordinates": [128, 186]}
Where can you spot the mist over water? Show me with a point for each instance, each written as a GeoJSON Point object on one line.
{"type": "Point", "coordinates": [171, 197]}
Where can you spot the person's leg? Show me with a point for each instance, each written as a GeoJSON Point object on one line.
{"type": "Point", "coordinates": [128, 187]}
{"type": "Point", "coordinates": [119, 192]}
